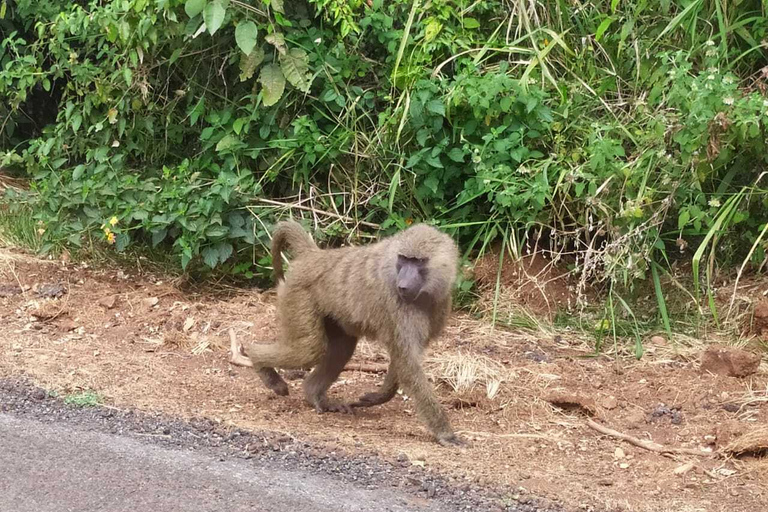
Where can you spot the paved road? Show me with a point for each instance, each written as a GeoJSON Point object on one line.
{"type": "Point", "coordinates": [53, 467]}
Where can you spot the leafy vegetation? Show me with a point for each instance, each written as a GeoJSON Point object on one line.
{"type": "Point", "coordinates": [618, 136]}
{"type": "Point", "coordinates": [84, 399]}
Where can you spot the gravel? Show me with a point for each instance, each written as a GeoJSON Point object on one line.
{"type": "Point", "coordinates": [368, 471]}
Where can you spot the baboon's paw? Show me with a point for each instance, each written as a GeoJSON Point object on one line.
{"type": "Point", "coordinates": [323, 406]}
{"type": "Point", "coordinates": [450, 440]}
{"type": "Point", "coordinates": [369, 400]}
{"type": "Point", "coordinates": [279, 387]}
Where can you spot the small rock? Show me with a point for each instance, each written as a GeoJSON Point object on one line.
{"type": "Point", "coordinates": [39, 394]}
{"type": "Point", "coordinates": [108, 302]}
{"type": "Point", "coordinates": [150, 302]}
{"type": "Point", "coordinates": [658, 340]}
{"type": "Point", "coordinates": [729, 361]}
{"type": "Point", "coordinates": [9, 290]}
{"type": "Point", "coordinates": [609, 402]}
{"type": "Point", "coordinates": [761, 318]}
{"type": "Point", "coordinates": [624, 465]}
{"type": "Point", "coordinates": [572, 402]}
{"type": "Point", "coordinates": [619, 453]}
{"type": "Point", "coordinates": [66, 325]}
{"type": "Point", "coordinates": [50, 291]}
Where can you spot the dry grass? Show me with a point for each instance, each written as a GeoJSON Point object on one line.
{"type": "Point", "coordinates": [464, 373]}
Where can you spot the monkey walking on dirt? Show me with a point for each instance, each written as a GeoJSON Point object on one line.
{"type": "Point", "coordinates": [397, 291]}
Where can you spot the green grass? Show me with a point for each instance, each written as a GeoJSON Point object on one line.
{"type": "Point", "coordinates": [84, 399]}
{"type": "Point", "coordinates": [18, 229]}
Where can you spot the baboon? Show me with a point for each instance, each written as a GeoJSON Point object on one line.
{"type": "Point", "coordinates": [397, 291]}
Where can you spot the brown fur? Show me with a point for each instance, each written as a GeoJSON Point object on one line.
{"type": "Point", "coordinates": [330, 298]}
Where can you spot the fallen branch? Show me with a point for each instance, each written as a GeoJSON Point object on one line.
{"type": "Point", "coordinates": [645, 444]}
{"type": "Point", "coordinates": [366, 367]}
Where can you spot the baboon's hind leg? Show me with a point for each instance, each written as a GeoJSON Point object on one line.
{"type": "Point", "coordinates": [341, 346]}
{"type": "Point", "coordinates": [265, 357]}
{"type": "Point", "coordinates": [273, 381]}
{"type": "Point", "coordinates": [268, 375]}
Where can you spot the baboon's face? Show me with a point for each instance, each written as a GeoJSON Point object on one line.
{"type": "Point", "coordinates": [411, 276]}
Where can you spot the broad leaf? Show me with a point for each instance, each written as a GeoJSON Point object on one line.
{"type": "Point", "coordinates": [245, 35]}
{"type": "Point", "coordinates": [277, 40]}
{"type": "Point", "coordinates": [194, 7]}
{"type": "Point", "coordinates": [225, 251]}
{"type": "Point", "coordinates": [213, 15]}
{"type": "Point", "coordinates": [295, 66]}
{"type": "Point", "coordinates": [227, 142]}
{"type": "Point", "coordinates": [273, 84]}
{"type": "Point", "coordinates": [277, 6]}
{"type": "Point", "coordinates": [249, 63]}
{"type": "Point", "coordinates": [211, 256]}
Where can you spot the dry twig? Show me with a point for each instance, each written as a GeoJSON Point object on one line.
{"type": "Point", "coordinates": [645, 444]}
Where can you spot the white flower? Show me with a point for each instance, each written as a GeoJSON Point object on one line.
{"type": "Point", "coordinates": [714, 202]}
{"type": "Point", "coordinates": [710, 43]}
{"type": "Point", "coordinates": [728, 100]}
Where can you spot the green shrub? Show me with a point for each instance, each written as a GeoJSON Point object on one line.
{"type": "Point", "coordinates": [618, 133]}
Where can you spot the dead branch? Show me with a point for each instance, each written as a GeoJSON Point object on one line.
{"type": "Point", "coordinates": [645, 444]}
{"type": "Point", "coordinates": [366, 367]}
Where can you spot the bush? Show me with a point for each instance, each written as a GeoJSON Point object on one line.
{"type": "Point", "coordinates": [620, 134]}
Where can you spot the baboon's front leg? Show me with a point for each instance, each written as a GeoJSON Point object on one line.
{"type": "Point", "coordinates": [384, 394]}
{"type": "Point", "coordinates": [405, 354]}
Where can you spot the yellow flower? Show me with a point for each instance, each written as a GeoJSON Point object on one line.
{"type": "Point", "coordinates": [113, 221]}
{"type": "Point", "coordinates": [110, 237]}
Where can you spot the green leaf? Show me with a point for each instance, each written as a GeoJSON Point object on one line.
{"type": "Point", "coordinates": [471, 23]}
{"type": "Point", "coordinates": [245, 35]}
{"type": "Point", "coordinates": [273, 84]}
{"type": "Point", "coordinates": [128, 76]}
{"type": "Point", "coordinates": [456, 154]}
{"type": "Point", "coordinates": [436, 107]}
{"type": "Point", "coordinates": [78, 172]}
{"type": "Point", "coordinates": [194, 7]}
{"type": "Point", "coordinates": [683, 219]}
{"type": "Point", "coordinates": [213, 15]}
{"type": "Point", "coordinates": [158, 236]}
{"type": "Point", "coordinates": [77, 120]}
{"type": "Point", "coordinates": [175, 55]}
{"type": "Point", "coordinates": [433, 28]}
{"type": "Point", "coordinates": [227, 142]}
{"type": "Point", "coordinates": [211, 256]}
{"type": "Point", "coordinates": [237, 126]}
{"type": "Point", "coordinates": [186, 257]}
{"type": "Point", "coordinates": [295, 67]}
{"type": "Point", "coordinates": [249, 63]}
{"type": "Point", "coordinates": [277, 6]}
{"type": "Point", "coordinates": [277, 40]}
{"type": "Point", "coordinates": [225, 251]}
{"type": "Point", "coordinates": [216, 231]}
{"type": "Point", "coordinates": [121, 241]}
{"type": "Point", "coordinates": [602, 28]}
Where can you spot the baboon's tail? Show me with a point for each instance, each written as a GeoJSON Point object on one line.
{"type": "Point", "coordinates": [289, 234]}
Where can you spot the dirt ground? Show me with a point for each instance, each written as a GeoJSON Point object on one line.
{"type": "Point", "coordinates": [140, 341]}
